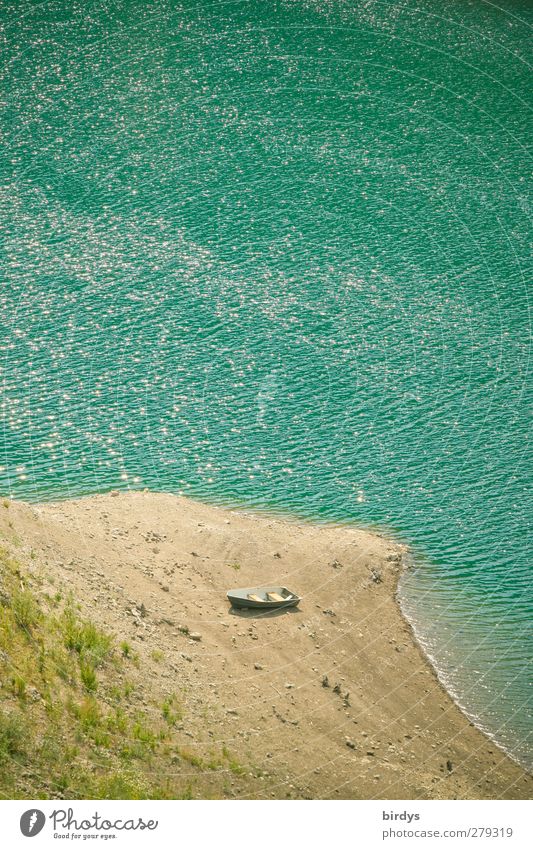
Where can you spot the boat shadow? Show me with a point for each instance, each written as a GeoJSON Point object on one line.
{"type": "Point", "coordinates": [252, 613]}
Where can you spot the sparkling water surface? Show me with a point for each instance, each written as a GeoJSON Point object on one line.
{"type": "Point", "coordinates": [276, 254]}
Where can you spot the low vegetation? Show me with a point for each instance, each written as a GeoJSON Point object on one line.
{"type": "Point", "coordinates": [70, 722]}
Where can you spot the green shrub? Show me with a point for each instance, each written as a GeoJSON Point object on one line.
{"type": "Point", "coordinates": [19, 687]}
{"type": "Point", "coordinates": [88, 677]}
{"type": "Point", "coordinates": [24, 609]}
{"type": "Point", "coordinates": [144, 735]}
{"type": "Point", "coordinates": [87, 713]}
{"type": "Point", "coordinates": [85, 638]}
{"type": "Point", "coordinates": [121, 785]}
{"type": "Point", "coordinates": [12, 736]}
{"type": "Point", "coordinates": [171, 711]}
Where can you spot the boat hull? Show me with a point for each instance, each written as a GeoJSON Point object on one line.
{"type": "Point", "coordinates": [240, 598]}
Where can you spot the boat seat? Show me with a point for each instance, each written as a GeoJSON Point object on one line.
{"type": "Point", "coordinates": [254, 597]}
{"type": "Point", "coordinates": [275, 597]}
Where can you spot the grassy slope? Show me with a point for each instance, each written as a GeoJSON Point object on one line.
{"type": "Point", "coordinates": [69, 723]}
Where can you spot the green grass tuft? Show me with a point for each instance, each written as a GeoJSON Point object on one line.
{"type": "Point", "coordinates": [13, 734]}
{"type": "Point", "coordinates": [88, 677]}
{"type": "Point", "coordinates": [86, 639]}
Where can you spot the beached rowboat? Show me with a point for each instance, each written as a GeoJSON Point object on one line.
{"type": "Point", "coordinates": [264, 598]}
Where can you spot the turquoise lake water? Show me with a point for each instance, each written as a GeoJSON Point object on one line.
{"type": "Point", "coordinates": [276, 254]}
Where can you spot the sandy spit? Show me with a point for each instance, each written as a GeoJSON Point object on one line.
{"type": "Point", "coordinates": [331, 700]}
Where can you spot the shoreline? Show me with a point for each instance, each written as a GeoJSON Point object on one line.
{"type": "Point", "coordinates": [387, 734]}
{"type": "Point", "coordinates": [288, 517]}
{"type": "Point", "coordinates": [455, 698]}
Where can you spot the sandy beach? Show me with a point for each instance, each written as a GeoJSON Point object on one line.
{"type": "Point", "coordinates": [333, 699]}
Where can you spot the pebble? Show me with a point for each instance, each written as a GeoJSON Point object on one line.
{"type": "Point", "coordinates": [33, 694]}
